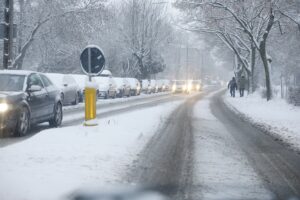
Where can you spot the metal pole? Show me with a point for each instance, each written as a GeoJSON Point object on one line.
{"type": "Point", "coordinates": [89, 63]}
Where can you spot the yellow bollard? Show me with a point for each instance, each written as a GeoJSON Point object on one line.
{"type": "Point", "coordinates": [90, 107]}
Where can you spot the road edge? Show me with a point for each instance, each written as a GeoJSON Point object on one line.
{"type": "Point", "coordinates": [265, 128]}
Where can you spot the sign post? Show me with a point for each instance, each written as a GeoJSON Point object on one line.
{"type": "Point", "coordinates": [92, 64]}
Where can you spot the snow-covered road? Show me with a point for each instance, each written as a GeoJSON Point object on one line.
{"type": "Point", "coordinates": [186, 146]}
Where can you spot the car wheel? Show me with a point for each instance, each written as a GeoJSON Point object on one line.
{"type": "Point", "coordinates": [58, 115]}
{"type": "Point", "coordinates": [23, 122]}
{"type": "Point", "coordinates": [76, 101]}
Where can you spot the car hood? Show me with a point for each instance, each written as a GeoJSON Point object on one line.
{"type": "Point", "coordinates": [11, 96]}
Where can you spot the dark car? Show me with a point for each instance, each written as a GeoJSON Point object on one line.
{"type": "Point", "coordinates": [27, 98]}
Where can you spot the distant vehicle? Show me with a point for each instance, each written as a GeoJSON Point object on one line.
{"type": "Point", "coordinates": [27, 98]}
{"type": "Point", "coordinates": [159, 85]}
{"type": "Point", "coordinates": [69, 89]}
{"type": "Point", "coordinates": [196, 85]}
{"type": "Point", "coordinates": [107, 87]}
{"type": "Point", "coordinates": [153, 86]}
{"type": "Point", "coordinates": [146, 86]}
{"type": "Point", "coordinates": [179, 86]}
{"type": "Point", "coordinates": [135, 86]}
{"type": "Point", "coordinates": [166, 85]}
{"type": "Point", "coordinates": [123, 87]}
{"type": "Point", "coordinates": [81, 80]}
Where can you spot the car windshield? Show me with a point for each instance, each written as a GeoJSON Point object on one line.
{"type": "Point", "coordinates": [179, 82]}
{"type": "Point", "coordinates": [196, 99]}
{"type": "Point", "coordinates": [10, 82]}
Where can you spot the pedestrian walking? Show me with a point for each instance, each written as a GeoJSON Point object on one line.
{"type": "Point", "coordinates": [232, 85]}
{"type": "Point", "coordinates": [242, 85]}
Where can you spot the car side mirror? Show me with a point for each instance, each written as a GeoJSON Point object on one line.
{"type": "Point", "coordinates": [34, 88]}
{"type": "Point", "coordinates": [66, 84]}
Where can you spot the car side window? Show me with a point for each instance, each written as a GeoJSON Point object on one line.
{"type": "Point", "coordinates": [34, 79]}
{"type": "Point", "coordinates": [46, 81]}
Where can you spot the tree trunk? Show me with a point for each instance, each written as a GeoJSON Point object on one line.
{"type": "Point", "coordinates": [253, 62]}
{"type": "Point", "coordinates": [20, 32]}
{"type": "Point", "coordinates": [264, 58]}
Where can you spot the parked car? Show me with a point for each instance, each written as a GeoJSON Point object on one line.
{"type": "Point", "coordinates": [166, 85]}
{"type": "Point", "coordinates": [106, 73]}
{"type": "Point", "coordinates": [69, 89]}
{"type": "Point", "coordinates": [123, 87]}
{"type": "Point", "coordinates": [135, 86]}
{"type": "Point", "coordinates": [159, 85]}
{"type": "Point", "coordinates": [179, 86]}
{"type": "Point", "coordinates": [153, 86]}
{"type": "Point", "coordinates": [81, 80]}
{"type": "Point", "coordinates": [107, 87]}
{"type": "Point", "coordinates": [27, 98]}
{"type": "Point", "coordinates": [146, 86]}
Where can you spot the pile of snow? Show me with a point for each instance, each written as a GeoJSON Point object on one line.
{"type": "Point", "coordinates": [56, 162]}
{"type": "Point", "coordinates": [276, 116]}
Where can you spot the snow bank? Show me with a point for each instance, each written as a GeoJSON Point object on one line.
{"type": "Point", "coordinates": [275, 117]}
{"type": "Point", "coordinates": [58, 161]}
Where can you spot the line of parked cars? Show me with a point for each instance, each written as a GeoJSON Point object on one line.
{"type": "Point", "coordinates": [72, 86]}
{"type": "Point", "coordinates": [28, 98]}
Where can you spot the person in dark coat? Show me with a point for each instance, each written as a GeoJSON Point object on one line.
{"type": "Point", "coordinates": [232, 85]}
{"type": "Point", "coordinates": [242, 85]}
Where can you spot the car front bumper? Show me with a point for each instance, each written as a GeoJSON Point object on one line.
{"type": "Point", "coordinates": [8, 122]}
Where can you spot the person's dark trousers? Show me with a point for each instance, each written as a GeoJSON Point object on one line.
{"type": "Point", "coordinates": [232, 92]}
{"type": "Point", "coordinates": [242, 92]}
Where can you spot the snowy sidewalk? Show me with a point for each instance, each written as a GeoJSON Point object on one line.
{"type": "Point", "coordinates": [276, 117]}
{"type": "Point", "coordinates": [56, 162]}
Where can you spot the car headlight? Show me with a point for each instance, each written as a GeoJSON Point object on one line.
{"type": "Point", "coordinates": [198, 87]}
{"type": "Point", "coordinates": [3, 107]}
{"type": "Point", "coordinates": [174, 87]}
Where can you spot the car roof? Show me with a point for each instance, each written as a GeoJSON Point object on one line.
{"type": "Point", "coordinates": [17, 72]}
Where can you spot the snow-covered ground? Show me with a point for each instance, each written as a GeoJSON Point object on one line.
{"type": "Point", "coordinates": [221, 169]}
{"type": "Point", "coordinates": [56, 162]}
{"type": "Point", "coordinates": [275, 117]}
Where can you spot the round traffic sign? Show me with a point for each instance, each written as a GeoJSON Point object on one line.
{"type": "Point", "coordinates": [92, 60]}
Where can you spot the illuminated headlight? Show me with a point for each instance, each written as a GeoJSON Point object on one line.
{"type": "Point", "coordinates": [198, 87]}
{"type": "Point", "coordinates": [173, 88]}
{"type": "Point", "coordinates": [138, 88]}
{"type": "Point", "coordinates": [190, 87]}
{"type": "Point", "coordinates": [164, 87]}
{"type": "Point", "coordinates": [3, 107]}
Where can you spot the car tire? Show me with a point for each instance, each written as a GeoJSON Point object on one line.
{"type": "Point", "coordinates": [76, 101]}
{"type": "Point", "coordinates": [58, 116]}
{"type": "Point", "coordinates": [23, 122]}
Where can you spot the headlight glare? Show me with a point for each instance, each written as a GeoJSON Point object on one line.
{"type": "Point", "coordinates": [3, 107]}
